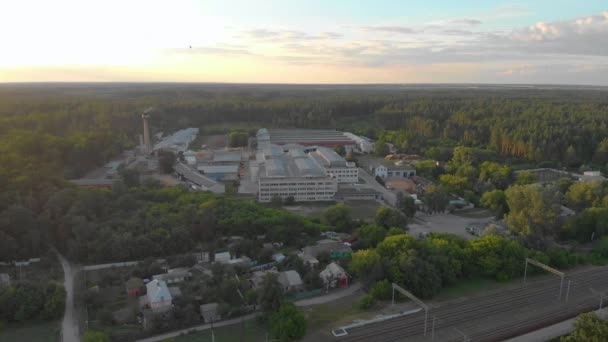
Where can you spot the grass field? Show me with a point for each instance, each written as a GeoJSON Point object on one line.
{"type": "Point", "coordinates": [31, 332]}
{"type": "Point", "coordinates": [229, 333]}
{"type": "Point", "coordinates": [468, 287]}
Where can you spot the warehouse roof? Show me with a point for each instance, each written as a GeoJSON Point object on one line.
{"type": "Point", "coordinates": [211, 169]}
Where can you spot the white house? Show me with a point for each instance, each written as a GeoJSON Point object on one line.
{"type": "Point", "coordinates": [291, 281]}
{"type": "Point", "coordinates": [175, 275]}
{"type": "Point", "coordinates": [159, 297]}
{"type": "Point", "coordinates": [5, 279]}
{"type": "Point", "coordinates": [334, 276]}
{"type": "Point", "coordinates": [389, 169]}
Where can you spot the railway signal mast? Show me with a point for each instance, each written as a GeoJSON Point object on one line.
{"type": "Point", "coordinates": [415, 300]}
{"type": "Point", "coordinates": [546, 268]}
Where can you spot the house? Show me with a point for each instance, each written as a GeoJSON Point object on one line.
{"type": "Point", "coordinates": [158, 296]}
{"type": "Point", "coordinates": [5, 280]}
{"type": "Point", "coordinates": [334, 276]}
{"type": "Point", "coordinates": [257, 277]}
{"type": "Point", "coordinates": [291, 281]}
{"type": "Point", "coordinates": [243, 261]}
{"type": "Point", "coordinates": [222, 257]}
{"type": "Point", "coordinates": [388, 169]}
{"type": "Point", "coordinates": [134, 287]}
{"type": "Point", "coordinates": [335, 249]}
{"type": "Point", "coordinates": [175, 275]}
{"type": "Point", "coordinates": [278, 257]}
{"type": "Point", "coordinates": [209, 312]}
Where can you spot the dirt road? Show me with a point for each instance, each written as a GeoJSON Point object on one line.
{"type": "Point", "coordinates": [69, 326]}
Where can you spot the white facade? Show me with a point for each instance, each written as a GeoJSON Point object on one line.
{"type": "Point", "coordinates": [381, 171]}
{"type": "Point", "coordinates": [393, 170]}
{"type": "Point", "coordinates": [363, 145]}
{"type": "Point", "coordinates": [345, 174]}
{"type": "Point", "coordinates": [302, 189]}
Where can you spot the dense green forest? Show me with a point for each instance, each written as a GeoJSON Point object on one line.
{"type": "Point", "coordinates": [53, 132]}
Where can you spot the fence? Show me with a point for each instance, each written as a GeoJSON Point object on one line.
{"type": "Point", "coordinates": [304, 295]}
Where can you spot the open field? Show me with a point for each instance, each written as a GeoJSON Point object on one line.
{"type": "Point", "coordinates": [230, 333]}
{"type": "Point", "coordinates": [447, 223]}
{"type": "Point", "coordinates": [31, 332]}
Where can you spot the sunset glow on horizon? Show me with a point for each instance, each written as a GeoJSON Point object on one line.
{"type": "Point", "coordinates": [560, 42]}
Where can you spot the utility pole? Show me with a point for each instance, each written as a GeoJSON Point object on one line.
{"type": "Point", "coordinates": [568, 291]}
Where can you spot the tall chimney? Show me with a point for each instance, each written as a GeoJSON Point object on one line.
{"type": "Point", "coordinates": [147, 144]}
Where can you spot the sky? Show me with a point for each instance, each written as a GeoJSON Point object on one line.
{"type": "Point", "coordinates": [306, 41]}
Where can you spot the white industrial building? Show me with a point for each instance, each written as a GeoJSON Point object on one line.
{"type": "Point", "coordinates": [178, 141]}
{"type": "Point", "coordinates": [364, 145]}
{"type": "Point", "coordinates": [292, 174]}
{"type": "Point", "coordinates": [389, 169]}
{"type": "Point", "coordinates": [335, 166]}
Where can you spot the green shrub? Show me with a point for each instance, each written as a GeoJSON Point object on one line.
{"type": "Point", "coordinates": [366, 302]}
{"type": "Point", "coordinates": [382, 290]}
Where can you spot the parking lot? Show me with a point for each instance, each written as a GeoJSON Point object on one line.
{"type": "Point", "coordinates": [449, 223]}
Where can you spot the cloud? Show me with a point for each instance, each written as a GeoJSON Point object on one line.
{"type": "Point", "coordinates": [465, 21]}
{"type": "Point", "coordinates": [525, 69]}
{"type": "Point", "coordinates": [286, 35]}
{"type": "Point", "coordinates": [392, 29]}
{"type": "Point", "coordinates": [538, 51]}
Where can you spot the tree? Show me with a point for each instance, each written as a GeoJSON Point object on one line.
{"type": "Point", "coordinates": [287, 324]}
{"type": "Point", "coordinates": [454, 184]}
{"type": "Point", "coordinates": [436, 199]}
{"type": "Point", "coordinates": [338, 216]}
{"type": "Point", "coordinates": [270, 295]}
{"type": "Point", "coordinates": [340, 150]}
{"type": "Point", "coordinates": [571, 156]}
{"type": "Point", "coordinates": [370, 235]}
{"type": "Point", "coordinates": [130, 177]}
{"type": "Point", "coordinates": [428, 168]}
{"type": "Point", "coordinates": [290, 200]}
{"type": "Point", "coordinates": [381, 148]}
{"type": "Point", "coordinates": [496, 201]}
{"type": "Point", "coordinates": [496, 174]}
{"type": "Point", "coordinates": [601, 153]}
{"type": "Point", "coordinates": [276, 201]}
{"type": "Point", "coordinates": [583, 195]}
{"type": "Point", "coordinates": [238, 139]}
{"type": "Point", "coordinates": [166, 160]}
{"type": "Point", "coordinates": [367, 265]}
{"type": "Point", "coordinates": [387, 217]}
{"type": "Point", "coordinates": [525, 178]}
{"type": "Point", "coordinates": [95, 336]}
{"type": "Point", "coordinates": [588, 328]}
{"type": "Point", "coordinates": [406, 204]}
{"type": "Point", "coordinates": [533, 210]}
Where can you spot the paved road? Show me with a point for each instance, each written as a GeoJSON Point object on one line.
{"type": "Point", "coordinates": [69, 326]}
{"type": "Point", "coordinates": [389, 197]}
{"type": "Point", "coordinates": [495, 316]}
{"type": "Point", "coordinates": [330, 297]}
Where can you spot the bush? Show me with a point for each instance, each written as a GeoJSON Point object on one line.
{"type": "Point", "coordinates": [382, 290]}
{"type": "Point", "coordinates": [366, 302]}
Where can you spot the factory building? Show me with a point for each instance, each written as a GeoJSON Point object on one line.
{"type": "Point", "coordinates": [335, 166]}
{"type": "Point", "coordinates": [220, 172]}
{"type": "Point", "coordinates": [292, 174]}
{"type": "Point", "coordinates": [178, 141]}
{"type": "Point", "coordinates": [197, 180]}
{"type": "Point", "coordinates": [303, 137]}
{"type": "Point", "coordinates": [363, 144]}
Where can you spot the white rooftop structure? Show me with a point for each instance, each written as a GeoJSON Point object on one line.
{"type": "Point", "coordinates": [178, 141]}
{"type": "Point", "coordinates": [158, 294]}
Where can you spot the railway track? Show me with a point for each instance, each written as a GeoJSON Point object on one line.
{"type": "Point", "coordinates": [458, 314]}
